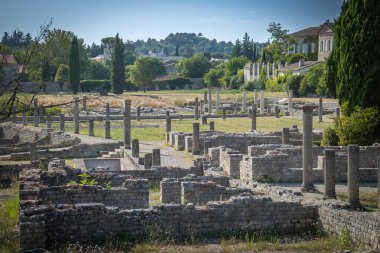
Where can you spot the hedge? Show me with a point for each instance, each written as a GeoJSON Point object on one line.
{"type": "Point", "coordinates": [178, 82]}
{"type": "Point", "coordinates": [94, 85]}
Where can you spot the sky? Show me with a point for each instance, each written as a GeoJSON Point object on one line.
{"type": "Point", "coordinates": [225, 20]}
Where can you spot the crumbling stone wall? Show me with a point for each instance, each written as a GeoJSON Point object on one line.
{"type": "Point", "coordinates": [229, 160]}
{"type": "Point", "coordinates": [171, 189]}
{"type": "Point", "coordinates": [44, 226]}
{"type": "Point", "coordinates": [134, 194]}
{"type": "Point", "coordinates": [199, 193]}
{"type": "Point", "coordinates": [364, 227]}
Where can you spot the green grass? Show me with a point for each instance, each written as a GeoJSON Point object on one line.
{"type": "Point", "coordinates": [9, 211]}
{"type": "Point", "coordinates": [368, 200]}
{"type": "Point", "coordinates": [156, 129]}
{"type": "Point", "coordinates": [201, 91]}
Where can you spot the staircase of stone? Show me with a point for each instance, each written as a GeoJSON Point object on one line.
{"type": "Point", "coordinates": [117, 153]}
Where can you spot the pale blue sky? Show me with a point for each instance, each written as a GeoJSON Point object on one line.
{"type": "Point", "coordinates": [140, 19]}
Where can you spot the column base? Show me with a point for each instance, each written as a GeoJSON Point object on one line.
{"type": "Point", "coordinates": [308, 188]}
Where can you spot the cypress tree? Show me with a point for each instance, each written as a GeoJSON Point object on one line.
{"type": "Point", "coordinates": [246, 45]}
{"type": "Point", "coordinates": [237, 49]}
{"type": "Point", "coordinates": [45, 71]}
{"type": "Point", "coordinates": [353, 68]}
{"type": "Point", "coordinates": [118, 67]}
{"type": "Point", "coordinates": [74, 66]}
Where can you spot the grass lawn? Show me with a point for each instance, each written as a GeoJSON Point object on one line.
{"type": "Point", "coordinates": [368, 199]}
{"type": "Point", "coordinates": [154, 130]}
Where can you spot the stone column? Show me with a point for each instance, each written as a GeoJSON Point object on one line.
{"type": "Point", "coordinates": [76, 115]}
{"type": "Point", "coordinates": [107, 111]}
{"type": "Point", "coordinates": [156, 157]}
{"type": "Point", "coordinates": [307, 148]}
{"type": "Point", "coordinates": [167, 113]}
{"type": "Point", "coordinates": [253, 117]}
{"type": "Point", "coordinates": [353, 175]}
{"type": "Point", "coordinates": [337, 112]}
{"type": "Point", "coordinates": [209, 101]}
{"type": "Point", "coordinates": [35, 112]}
{"type": "Point", "coordinates": [62, 122]}
{"type": "Point", "coordinates": [256, 97]}
{"type": "Point", "coordinates": [201, 107]}
{"type": "Point", "coordinates": [290, 101]}
{"type": "Point", "coordinates": [24, 117]}
{"type": "Point", "coordinates": [262, 102]}
{"type": "Point", "coordinates": [244, 101]}
{"type": "Point", "coordinates": [108, 129]}
{"type": "Point", "coordinates": [212, 125]}
{"type": "Point", "coordinates": [84, 103]}
{"type": "Point", "coordinates": [249, 113]}
{"type": "Point", "coordinates": [274, 70]}
{"type": "Point", "coordinates": [135, 148]}
{"type": "Point", "coordinates": [91, 127]}
{"type": "Point", "coordinates": [285, 136]}
{"type": "Point", "coordinates": [268, 70]}
{"type": "Point", "coordinates": [33, 151]}
{"type": "Point", "coordinates": [41, 114]}
{"type": "Point", "coordinates": [168, 124]}
{"type": "Point", "coordinates": [196, 110]}
{"type": "Point", "coordinates": [127, 124]}
{"type": "Point", "coordinates": [138, 113]}
{"type": "Point", "coordinates": [204, 120]}
{"type": "Point", "coordinates": [224, 113]}
{"type": "Point", "coordinates": [254, 71]}
{"type": "Point", "coordinates": [14, 115]}
{"type": "Point", "coordinates": [217, 100]}
{"type": "Point", "coordinates": [329, 173]}
{"type": "Point", "coordinates": [320, 111]}
{"type": "Point", "coordinates": [205, 100]}
{"type": "Point", "coordinates": [148, 157]}
{"type": "Point", "coordinates": [48, 121]}
{"type": "Point", "coordinates": [206, 146]}
{"type": "Point", "coordinates": [276, 111]}
{"type": "Point", "coordinates": [195, 148]}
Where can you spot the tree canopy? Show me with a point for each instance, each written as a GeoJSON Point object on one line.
{"type": "Point", "coordinates": [118, 66]}
{"type": "Point", "coordinates": [194, 67]}
{"type": "Point", "coordinates": [74, 66]}
{"type": "Point", "coordinates": [144, 70]}
{"type": "Point", "coordinates": [353, 68]}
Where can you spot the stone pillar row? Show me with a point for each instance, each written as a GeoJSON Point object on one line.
{"type": "Point", "coordinates": [196, 111]}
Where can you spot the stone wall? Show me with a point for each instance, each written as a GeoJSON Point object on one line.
{"type": "Point", "coordinates": [44, 226]}
{"type": "Point", "coordinates": [199, 193]}
{"type": "Point", "coordinates": [229, 160]}
{"type": "Point", "coordinates": [135, 194]}
{"type": "Point", "coordinates": [171, 190]}
{"type": "Point", "coordinates": [364, 227]}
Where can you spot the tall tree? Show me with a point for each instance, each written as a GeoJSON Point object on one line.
{"type": "Point", "coordinates": [74, 66]}
{"type": "Point", "coordinates": [118, 66]}
{"type": "Point", "coordinates": [45, 71]}
{"type": "Point", "coordinates": [353, 68]}
{"type": "Point", "coordinates": [246, 45]}
{"type": "Point", "coordinates": [237, 49]}
{"type": "Point", "coordinates": [145, 69]}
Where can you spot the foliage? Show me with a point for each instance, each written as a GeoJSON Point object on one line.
{"type": "Point", "coordinates": [213, 76]}
{"type": "Point", "coordinates": [293, 83]}
{"type": "Point", "coordinates": [118, 66]}
{"type": "Point", "coordinates": [277, 50]}
{"type": "Point", "coordinates": [85, 179]}
{"type": "Point", "coordinates": [311, 80]}
{"type": "Point", "coordinates": [294, 58]}
{"type": "Point", "coordinates": [17, 39]}
{"type": "Point", "coordinates": [74, 66]}
{"type": "Point", "coordinates": [94, 85]}
{"type": "Point", "coordinates": [277, 84]}
{"type": "Point", "coordinates": [234, 64]}
{"type": "Point", "coordinates": [45, 72]}
{"type": "Point", "coordinates": [54, 110]}
{"type": "Point", "coordinates": [62, 74]}
{"type": "Point", "coordinates": [246, 48]}
{"type": "Point", "coordinates": [194, 67]}
{"type": "Point", "coordinates": [144, 70]}
{"type": "Point", "coordinates": [354, 64]}
{"type": "Point", "coordinates": [330, 137]}
{"type": "Point", "coordinates": [359, 127]}
{"type": "Point", "coordinates": [98, 71]}
{"type": "Point", "coordinates": [345, 239]}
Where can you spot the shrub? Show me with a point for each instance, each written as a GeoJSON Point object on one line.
{"type": "Point", "coordinates": [54, 111]}
{"type": "Point", "coordinates": [330, 137]}
{"type": "Point", "coordinates": [312, 78]}
{"type": "Point", "coordinates": [173, 84]}
{"type": "Point", "coordinates": [293, 83]}
{"type": "Point", "coordinates": [359, 127]}
{"type": "Point", "coordinates": [62, 74]}
{"type": "Point", "coordinates": [94, 85]}
{"type": "Point", "coordinates": [293, 58]}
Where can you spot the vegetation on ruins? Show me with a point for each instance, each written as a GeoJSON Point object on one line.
{"type": "Point", "coordinates": [74, 66]}
{"type": "Point", "coordinates": [118, 74]}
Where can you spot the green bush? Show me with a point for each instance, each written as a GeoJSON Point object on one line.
{"type": "Point", "coordinates": [62, 74]}
{"type": "Point", "coordinates": [330, 137]}
{"type": "Point", "coordinates": [178, 82]}
{"type": "Point", "coordinates": [94, 85]}
{"type": "Point", "coordinates": [54, 111]}
{"type": "Point", "coordinates": [293, 58]}
{"type": "Point", "coordinates": [293, 83]}
{"type": "Point", "coordinates": [359, 127]}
